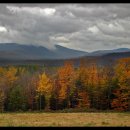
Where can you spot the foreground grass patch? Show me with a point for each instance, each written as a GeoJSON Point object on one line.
{"type": "Point", "coordinates": [65, 119]}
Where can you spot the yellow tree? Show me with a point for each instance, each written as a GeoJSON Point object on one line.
{"type": "Point", "coordinates": [7, 76]}
{"type": "Point", "coordinates": [45, 87]}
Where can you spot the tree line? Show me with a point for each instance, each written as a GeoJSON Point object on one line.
{"type": "Point", "coordinates": [87, 86]}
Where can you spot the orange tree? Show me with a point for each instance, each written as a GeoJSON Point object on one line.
{"type": "Point", "coordinates": [66, 79]}
{"type": "Point", "coordinates": [121, 100]}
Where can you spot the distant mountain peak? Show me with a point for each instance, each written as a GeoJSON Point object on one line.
{"type": "Point", "coordinates": [37, 52]}
{"type": "Point", "coordinates": [123, 49]}
{"type": "Point", "coordinates": [20, 51]}
{"type": "Point", "coordinates": [102, 52]}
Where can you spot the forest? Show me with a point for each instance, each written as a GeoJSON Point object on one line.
{"type": "Point", "coordinates": [88, 86]}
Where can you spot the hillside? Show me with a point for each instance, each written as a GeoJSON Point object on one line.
{"type": "Point", "coordinates": [16, 54]}
{"type": "Point", "coordinates": [13, 51]}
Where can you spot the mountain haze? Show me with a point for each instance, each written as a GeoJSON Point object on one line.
{"type": "Point", "coordinates": [16, 54]}
{"type": "Point", "coordinates": [14, 51]}
{"type": "Point", "coordinates": [23, 52]}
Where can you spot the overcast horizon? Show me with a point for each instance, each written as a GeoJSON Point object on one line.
{"type": "Point", "coordinates": [86, 27]}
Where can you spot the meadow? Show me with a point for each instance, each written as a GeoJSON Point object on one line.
{"type": "Point", "coordinates": [91, 119]}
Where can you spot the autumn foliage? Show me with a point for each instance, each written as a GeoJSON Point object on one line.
{"type": "Point", "coordinates": [89, 86]}
{"type": "Point", "coordinates": [121, 101]}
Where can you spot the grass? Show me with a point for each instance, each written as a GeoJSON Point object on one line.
{"type": "Point", "coordinates": [89, 119]}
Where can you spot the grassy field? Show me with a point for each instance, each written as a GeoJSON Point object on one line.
{"type": "Point", "coordinates": [64, 119]}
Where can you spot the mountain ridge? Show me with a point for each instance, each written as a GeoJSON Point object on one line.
{"type": "Point", "coordinates": [14, 51]}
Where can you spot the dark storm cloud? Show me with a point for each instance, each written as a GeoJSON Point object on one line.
{"type": "Point", "coordinates": [86, 27]}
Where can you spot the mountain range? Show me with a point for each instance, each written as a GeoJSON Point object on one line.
{"type": "Point", "coordinates": [29, 52]}
{"type": "Point", "coordinates": [14, 51]}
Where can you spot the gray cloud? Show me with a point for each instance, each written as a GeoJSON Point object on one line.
{"type": "Point", "coordinates": [86, 27]}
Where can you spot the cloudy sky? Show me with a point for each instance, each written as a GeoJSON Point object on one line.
{"type": "Point", "coordinates": [86, 27]}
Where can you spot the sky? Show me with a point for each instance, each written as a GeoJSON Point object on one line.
{"type": "Point", "coordinates": [86, 27]}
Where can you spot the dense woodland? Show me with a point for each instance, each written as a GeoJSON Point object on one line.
{"type": "Point", "coordinates": [89, 86]}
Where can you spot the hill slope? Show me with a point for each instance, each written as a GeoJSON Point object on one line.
{"type": "Point", "coordinates": [15, 54]}
{"type": "Point", "coordinates": [13, 51]}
